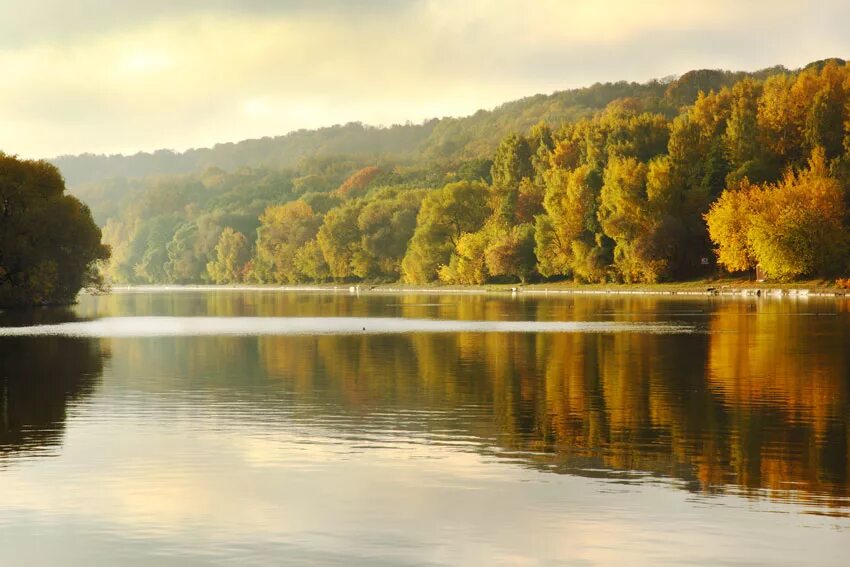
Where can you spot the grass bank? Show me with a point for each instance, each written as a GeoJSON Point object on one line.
{"type": "Point", "coordinates": [715, 286]}
{"type": "Point", "coordinates": [707, 287]}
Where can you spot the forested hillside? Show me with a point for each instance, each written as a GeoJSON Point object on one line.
{"type": "Point", "coordinates": [615, 182]}
{"type": "Point", "coordinates": [449, 138]}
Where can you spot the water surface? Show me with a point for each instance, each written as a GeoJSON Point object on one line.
{"type": "Point", "coordinates": [264, 427]}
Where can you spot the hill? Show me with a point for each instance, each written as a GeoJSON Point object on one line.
{"type": "Point", "coordinates": [616, 182]}
{"type": "Point", "coordinates": [472, 136]}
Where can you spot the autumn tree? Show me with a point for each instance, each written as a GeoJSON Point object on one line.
{"type": "Point", "coordinates": [357, 182]}
{"type": "Point", "coordinates": [284, 230]}
{"type": "Point", "coordinates": [445, 215]}
{"type": "Point", "coordinates": [511, 253]}
{"type": "Point", "coordinates": [467, 264]}
{"type": "Point", "coordinates": [642, 210]}
{"type": "Point", "coordinates": [790, 229]}
{"type": "Point", "coordinates": [232, 253]}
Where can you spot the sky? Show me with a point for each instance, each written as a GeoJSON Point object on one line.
{"type": "Point", "coordinates": [121, 76]}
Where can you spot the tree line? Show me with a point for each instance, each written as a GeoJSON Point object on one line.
{"type": "Point", "coordinates": [663, 184]}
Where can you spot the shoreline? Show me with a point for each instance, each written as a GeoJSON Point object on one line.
{"type": "Point", "coordinates": [687, 289]}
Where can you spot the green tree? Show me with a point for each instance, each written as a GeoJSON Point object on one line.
{"type": "Point", "coordinates": [339, 238]}
{"type": "Point", "coordinates": [186, 263]}
{"type": "Point", "coordinates": [232, 253]}
{"type": "Point", "coordinates": [386, 224]}
{"type": "Point", "coordinates": [627, 216]}
{"type": "Point", "coordinates": [49, 243]}
{"type": "Point", "coordinates": [511, 164]}
{"type": "Point", "coordinates": [310, 262]}
{"type": "Point", "coordinates": [567, 232]}
{"type": "Point", "coordinates": [445, 215]}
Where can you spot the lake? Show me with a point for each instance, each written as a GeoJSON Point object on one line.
{"type": "Point", "coordinates": [197, 427]}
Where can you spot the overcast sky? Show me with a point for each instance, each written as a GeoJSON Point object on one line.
{"type": "Point", "coordinates": [126, 75]}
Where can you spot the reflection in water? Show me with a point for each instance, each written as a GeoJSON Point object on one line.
{"type": "Point", "coordinates": [783, 381]}
{"type": "Point", "coordinates": [756, 403]}
{"type": "Point", "coordinates": [588, 446]}
{"type": "Point", "coordinates": [118, 327]}
{"type": "Point", "coordinates": [576, 403]}
{"type": "Point", "coordinates": [39, 379]}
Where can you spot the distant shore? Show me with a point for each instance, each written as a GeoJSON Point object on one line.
{"type": "Point", "coordinates": [707, 288]}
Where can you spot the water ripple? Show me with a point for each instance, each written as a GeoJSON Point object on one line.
{"type": "Point", "coordinates": [118, 327]}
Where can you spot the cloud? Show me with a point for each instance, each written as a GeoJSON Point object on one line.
{"type": "Point", "coordinates": [126, 76]}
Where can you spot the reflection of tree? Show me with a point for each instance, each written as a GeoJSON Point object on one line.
{"type": "Point", "coordinates": [761, 401]}
{"type": "Point", "coordinates": [754, 404]}
{"type": "Point", "coordinates": [39, 378]}
{"type": "Point", "coordinates": [783, 379]}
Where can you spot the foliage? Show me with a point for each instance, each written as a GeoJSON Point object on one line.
{"type": "Point", "coordinates": [446, 215]}
{"type": "Point", "coordinates": [615, 182]}
{"type": "Point", "coordinates": [729, 222]}
{"type": "Point", "coordinates": [568, 229]}
{"type": "Point", "coordinates": [231, 258]}
{"type": "Point", "coordinates": [357, 181]}
{"type": "Point", "coordinates": [284, 230]}
{"type": "Point", "coordinates": [467, 263]}
{"type": "Point", "coordinates": [792, 228]}
{"type": "Point", "coordinates": [512, 253]}
{"type": "Point", "coordinates": [49, 243]}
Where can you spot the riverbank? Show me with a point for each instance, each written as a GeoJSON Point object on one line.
{"type": "Point", "coordinates": [714, 287]}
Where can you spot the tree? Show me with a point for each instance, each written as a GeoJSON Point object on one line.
{"type": "Point", "coordinates": [232, 253]}
{"type": "Point", "coordinates": [49, 243]}
{"type": "Point", "coordinates": [512, 254]}
{"type": "Point", "coordinates": [386, 224]}
{"type": "Point", "coordinates": [466, 265]}
{"type": "Point", "coordinates": [512, 162]}
{"type": "Point", "coordinates": [284, 230]}
{"type": "Point", "coordinates": [728, 223]}
{"type": "Point", "coordinates": [571, 203]}
{"type": "Point", "coordinates": [310, 262]}
{"type": "Point", "coordinates": [150, 255]}
{"type": "Point", "coordinates": [625, 216]}
{"type": "Point", "coordinates": [339, 238]}
{"type": "Point", "coordinates": [446, 214]}
{"type": "Point", "coordinates": [742, 135]}
{"type": "Point", "coordinates": [185, 261]}
{"type": "Point", "coordinates": [511, 165]}
{"type": "Point", "coordinates": [824, 126]}
{"type": "Point", "coordinates": [797, 229]}
{"type": "Point", "coordinates": [357, 182]}
{"type": "Point", "coordinates": [789, 229]}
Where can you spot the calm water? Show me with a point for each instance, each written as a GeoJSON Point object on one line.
{"type": "Point", "coordinates": [247, 427]}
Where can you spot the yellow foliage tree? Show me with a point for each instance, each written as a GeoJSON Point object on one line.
{"type": "Point", "coordinates": [284, 230]}
{"type": "Point", "coordinates": [467, 264]}
{"type": "Point", "coordinates": [728, 222]}
{"type": "Point", "coordinates": [790, 229]}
